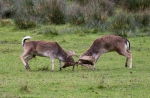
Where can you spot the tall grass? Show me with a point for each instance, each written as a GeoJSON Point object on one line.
{"type": "Point", "coordinates": [60, 11]}
{"type": "Point", "coordinates": [118, 16]}
{"type": "Point", "coordinates": [29, 13]}
{"type": "Point", "coordinates": [123, 23]}
{"type": "Point", "coordinates": [74, 14]}
{"type": "Point", "coordinates": [136, 5]}
{"type": "Point", "coordinates": [96, 12]}
{"type": "Point", "coordinates": [6, 9]}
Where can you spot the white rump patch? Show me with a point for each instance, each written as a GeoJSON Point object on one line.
{"type": "Point", "coordinates": [127, 46]}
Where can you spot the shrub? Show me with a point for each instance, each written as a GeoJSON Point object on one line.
{"type": "Point", "coordinates": [56, 16]}
{"type": "Point", "coordinates": [1, 24]}
{"type": "Point", "coordinates": [6, 9]}
{"type": "Point", "coordinates": [82, 2]}
{"type": "Point", "coordinates": [50, 11]}
{"type": "Point", "coordinates": [74, 14]}
{"type": "Point", "coordinates": [122, 24]}
{"type": "Point", "coordinates": [143, 18]}
{"type": "Point", "coordinates": [24, 16]}
{"type": "Point", "coordinates": [25, 23]}
{"type": "Point", "coordinates": [136, 5]}
{"type": "Point", "coordinates": [96, 12]}
{"type": "Point", "coordinates": [30, 12]}
{"type": "Point", "coordinates": [5, 22]}
{"type": "Point", "coordinates": [117, 1]}
{"type": "Point", "coordinates": [50, 31]}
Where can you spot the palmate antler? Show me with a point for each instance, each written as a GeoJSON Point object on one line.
{"type": "Point", "coordinates": [87, 60]}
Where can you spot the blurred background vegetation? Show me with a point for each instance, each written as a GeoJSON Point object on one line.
{"type": "Point", "coordinates": [121, 17]}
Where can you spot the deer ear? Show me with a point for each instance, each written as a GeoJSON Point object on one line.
{"type": "Point", "coordinates": [72, 53]}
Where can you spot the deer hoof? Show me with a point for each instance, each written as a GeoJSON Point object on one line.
{"type": "Point", "coordinates": [27, 67]}
{"type": "Point", "coordinates": [52, 70]}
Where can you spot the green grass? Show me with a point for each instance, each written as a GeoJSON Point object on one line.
{"type": "Point", "coordinates": [110, 79]}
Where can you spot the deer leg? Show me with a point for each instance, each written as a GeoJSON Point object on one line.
{"type": "Point", "coordinates": [126, 64]}
{"type": "Point", "coordinates": [60, 67]}
{"type": "Point", "coordinates": [24, 61]}
{"type": "Point", "coordinates": [29, 57]}
{"type": "Point", "coordinates": [128, 55]}
{"type": "Point", "coordinates": [73, 67]}
{"type": "Point", "coordinates": [52, 59]}
{"type": "Point", "coordinates": [96, 58]}
{"type": "Point", "coordinates": [130, 60]}
{"type": "Point", "coordinates": [93, 67]}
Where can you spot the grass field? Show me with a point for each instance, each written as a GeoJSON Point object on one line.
{"type": "Point", "coordinates": [110, 79]}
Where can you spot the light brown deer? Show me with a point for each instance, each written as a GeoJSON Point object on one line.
{"type": "Point", "coordinates": [106, 44]}
{"type": "Point", "coordinates": [45, 49]}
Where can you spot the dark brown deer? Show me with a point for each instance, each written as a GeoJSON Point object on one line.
{"type": "Point", "coordinates": [106, 44]}
{"type": "Point", "coordinates": [45, 49]}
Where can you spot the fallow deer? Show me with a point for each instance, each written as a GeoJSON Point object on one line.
{"type": "Point", "coordinates": [45, 49]}
{"type": "Point", "coordinates": [106, 44]}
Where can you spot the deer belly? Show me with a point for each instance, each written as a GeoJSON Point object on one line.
{"type": "Point", "coordinates": [44, 54]}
